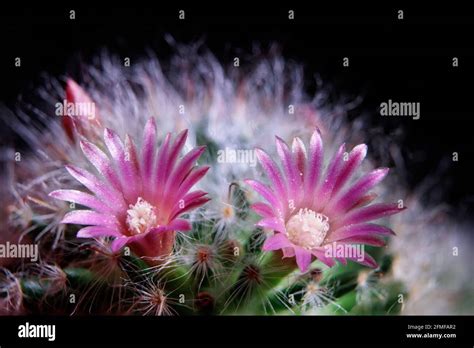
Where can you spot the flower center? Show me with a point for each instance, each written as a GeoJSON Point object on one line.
{"type": "Point", "coordinates": [307, 228]}
{"type": "Point", "coordinates": [141, 216]}
{"type": "Point", "coordinates": [228, 212]}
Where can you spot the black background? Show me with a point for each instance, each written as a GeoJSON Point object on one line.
{"type": "Point", "coordinates": [241, 331]}
{"type": "Point", "coordinates": [408, 60]}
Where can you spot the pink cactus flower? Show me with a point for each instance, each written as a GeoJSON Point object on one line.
{"type": "Point", "coordinates": [139, 197]}
{"type": "Point", "coordinates": [310, 213]}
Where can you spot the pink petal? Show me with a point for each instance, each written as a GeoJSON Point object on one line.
{"type": "Point", "coordinates": [365, 200]}
{"type": "Point", "coordinates": [263, 209]}
{"type": "Point", "coordinates": [276, 242]}
{"type": "Point", "coordinates": [299, 152]}
{"type": "Point", "coordinates": [131, 153]}
{"type": "Point", "coordinates": [97, 231]}
{"type": "Point", "coordinates": [313, 170]}
{"type": "Point", "coordinates": [189, 181]}
{"type": "Point", "coordinates": [367, 261]}
{"type": "Point", "coordinates": [273, 174]}
{"type": "Point", "coordinates": [175, 151]}
{"type": "Point", "coordinates": [102, 190]}
{"type": "Point", "coordinates": [332, 173]}
{"type": "Point", "coordinates": [357, 230]}
{"type": "Point", "coordinates": [371, 212]}
{"type": "Point", "coordinates": [272, 224]}
{"type": "Point", "coordinates": [303, 258]}
{"type": "Point", "coordinates": [167, 160]}
{"type": "Point", "coordinates": [174, 225]}
{"type": "Point", "coordinates": [320, 255]}
{"type": "Point", "coordinates": [268, 195]}
{"type": "Point", "coordinates": [183, 169]}
{"type": "Point", "coordinates": [292, 174]}
{"type": "Point", "coordinates": [89, 217]}
{"type": "Point", "coordinates": [118, 243]}
{"type": "Point", "coordinates": [356, 157]}
{"type": "Point", "coordinates": [189, 197]}
{"type": "Point", "coordinates": [190, 205]}
{"type": "Point", "coordinates": [363, 239]}
{"type": "Point", "coordinates": [179, 225]}
{"type": "Point", "coordinates": [82, 198]}
{"type": "Point", "coordinates": [129, 174]}
{"type": "Point", "coordinates": [161, 167]}
{"type": "Point", "coordinates": [148, 151]}
{"type": "Point", "coordinates": [357, 191]}
{"type": "Point", "coordinates": [101, 162]}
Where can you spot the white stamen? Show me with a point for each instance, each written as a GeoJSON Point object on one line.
{"type": "Point", "coordinates": [307, 228]}
{"type": "Point", "coordinates": [141, 216]}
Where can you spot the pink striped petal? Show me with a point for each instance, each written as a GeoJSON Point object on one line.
{"type": "Point", "coordinates": [358, 190]}
{"type": "Point", "coordinates": [363, 239]}
{"type": "Point", "coordinates": [103, 191]}
{"type": "Point", "coordinates": [102, 163]}
{"type": "Point", "coordinates": [357, 230]}
{"type": "Point", "coordinates": [299, 152]}
{"type": "Point", "coordinates": [263, 210]}
{"type": "Point", "coordinates": [276, 242]}
{"type": "Point", "coordinates": [97, 231]}
{"type": "Point", "coordinates": [269, 196]}
{"type": "Point", "coordinates": [131, 154]}
{"type": "Point", "coordinates": [175, 150]}
{"type": "Point", "coordinates": [365, 200]}
{"type": "Point", "coordinates": [189, 197]}
{"type": "Point", "coordinates": [272, 224]}
{"type": "Point", "coordinates": [148, 151]}
{"type": "Point", "coordinates": [293, 179]}
{"type": "Point", "coordinates": [273, 173]}
{"type": "Point", "coordinates": [174, 225]}
{"type": "Point", "coordinates": [89, 217]}
{"type": "Point", "coordinates": [321, 256]}
{"type": "Point", "coordinates": [179, 225]}
{"type": "Point", "coordinates": [356, 157]}
{"type": "Point", "coordinates": [129, 175]}
{"type": "Point", "coordinates": [82, 198]}
{"type": "Point", "coordinates": [313, 170]}
{"type": "Point", "coordinates": [183, 169]}
{"type": "Point", "coordinates": [366, 261]}
{"type": "Point", "coordinates": [371, 212]}
{"type": "Point", "coordinates": [167, 161]}
{"type": "Point", "coordinates": [160, 169]}
{"type": "Point", "coordinates": [332, 173]}
{"type": "Point", "coordinates": [189, 181]}
{"type": "Point", "coordinates": [303, 258]}
{"type": "Point", "coordinates": [118, 244]}
{"type": "Point", "coordinates": [190, 205]}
